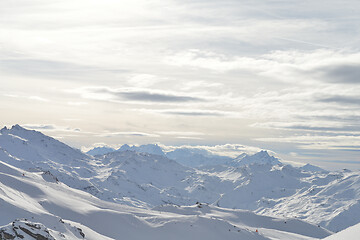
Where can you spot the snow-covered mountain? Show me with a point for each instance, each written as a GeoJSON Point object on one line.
{"type": "Point", "coordinates": [311, 168]}
{"type": "Point", "coordinates": [148, 148]}
{"type": "Point", "coordinates": [33, 146]}
{"type": "Point", "coordinates": [261, 157]}
{"type": "Point", "coordinates": [259, 182]}
{"type": "Point", "coordinates": [33, 151]}
{"type": "Point", "coordinates": [193, 157]}
{"type": "Point", "coordinates": [33, 208]}
{"type": "Point", "coordinates": [100, 151]}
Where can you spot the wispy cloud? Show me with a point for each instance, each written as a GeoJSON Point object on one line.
{"type": "Point", "coordinates": [230, 150]}
{"type": "Point", "coordinates": [77, 103]}
{"type": "Point", "coordinates": [343, 73]}
{"type": "Point", "coordinates": [44, 68]}
{"type": "Point", "coordinates": [35, 98]}
{"type": "Point", "coordinates": [135, 95]}
{"type": "Point", "coordinates": [50, 127]}
{"type": "Point", "coordinates": [260, 68]}
{"type": "Point", "coordinates": [327, 65]}
{"type": "Point", "coordinates": [191, 112]}
{"type": "Point", "coordinates": [129, 134]}
{"type": "Point", "coordinates": [177, 133]}
{"type": "Point", "coordinates": [313, 126]}
{"type": "Point", "coordinates": [347, 100]}
{"type": "Point", "coordinates": [188, 137]}
{"type": "Point", "coordinates": [183, 135]}
{"type": "Point", "coordinates": [311, 141]}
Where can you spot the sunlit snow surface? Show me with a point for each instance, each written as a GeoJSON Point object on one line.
{"type": "Point", "coordinates": [152, 182]}
{"type": "Point", "coordinates": [61, 209]}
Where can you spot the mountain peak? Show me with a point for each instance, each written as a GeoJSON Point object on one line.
{"type": "Point", "coordinates": [148, 148]}
{"type": "Point", "coordinates": [17, 127]}
{"type": "Point", "coordinates": [312, 168]}
{"type": "Point", "coordinates": [263, 152]}
{"type": "Point", "coordinates": [261, 157]}
{"type": "Point", "coordinates": [124, 147]}
{"type": "Point", "coordinates": [100, 150]}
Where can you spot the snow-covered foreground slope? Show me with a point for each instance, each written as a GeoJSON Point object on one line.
{"type": "Point", "coordinates": [351, 233]}
{"type": "Point", "coordinates": [330, 199]}
{"type": "Point", "coordinates": [50, 209]}
{"type": "Point", "coordinates": [333, 201]}
{"type": "Point", "coordinates": [258, 183]}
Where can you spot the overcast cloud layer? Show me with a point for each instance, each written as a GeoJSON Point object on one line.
{"type": "Point", "coordinates": [278, 75]}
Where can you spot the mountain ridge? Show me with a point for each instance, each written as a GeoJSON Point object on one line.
{"type": "Point", "coordinates": [32, 208]}
{"type": "Point", "coordinates": [146, 180]}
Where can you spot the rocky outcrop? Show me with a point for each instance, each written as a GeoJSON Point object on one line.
{"type": "Point", "coordinates": [23, 229]}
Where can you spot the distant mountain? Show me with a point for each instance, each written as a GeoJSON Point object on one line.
{"type": "Point", "coordinates": [311, 168]}
{"type": "Point", "coordinates": [100, 151]}
{"type": "Point", "coordinates": [256, 182]}
{"type": "Point", "coordinates": [261, 157]}
{"type": "Point", "coordinates": [193, 157]}
{"type": "Point", "coordinates": [148, 148]}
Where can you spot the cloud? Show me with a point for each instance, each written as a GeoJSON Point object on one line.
{"type": "Point", "coordinates": [143, 80]}
{"type": "Point", "coordinates": [98, 144]}
{"type": "Point", "coordinates": [319, 65]}
{"type": "Point", "coordinates": [77, 103]}
{"type": "Point", "coordinates": [190, 138]}
{"type": "Point", "coordinates": [210, 60]}
{"type": "Point", "coordinates": [133, 134]}
{"type": "Point", "coordinates": [135, 95]}
{"type": "Point", "coordinates": [337, 127]}
{"type": "Point", "coordinates": [318, 142]}
{"type": "Point", "coordinates": [229, 150]}
{"type": "Point", "coordinates": [40, 126]}
{"type": "Point", "coordinates": [35, 98]}
{"type": "Point", "coordinates": [50, 127]}
{"type": "Point", "coordinates": [343, 73]}
{"type": "Point", "coordinates": [271, 62]}
{"type": "Point", "coordinates": [43, 68]}
{"type": "Point", "coordinates": [181, 133]}
{"type": "Point", "coordinates": [347, 100]}
{"type": "Point", "coordinates": [192, 112]}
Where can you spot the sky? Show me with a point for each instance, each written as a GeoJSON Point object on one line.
{"type": "Point", "coordinates": [229, 74]}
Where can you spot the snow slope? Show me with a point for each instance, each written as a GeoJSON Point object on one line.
{"type": "Point", "coordinates": [263, 185]}
{"type": "Point", "coordinates": [55, 211]}
{"type": "Point", "coordinates": [333, 201]}
{"type": "Point", "coordinates": [351, 233]}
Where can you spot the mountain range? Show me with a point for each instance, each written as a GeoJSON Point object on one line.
{"type": "Point", "coordinates": [154, 194]}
